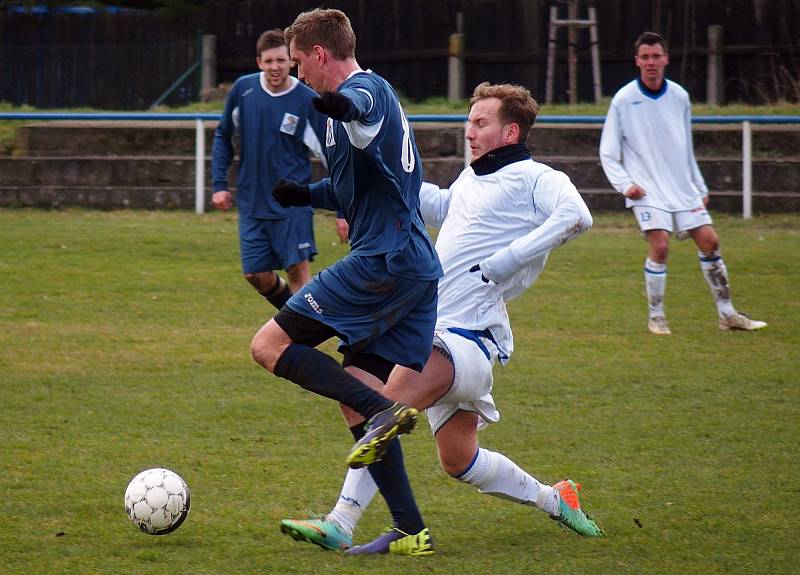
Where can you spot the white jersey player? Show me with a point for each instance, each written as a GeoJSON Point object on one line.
{"type": "Point", "coordinates": [499, 220]}
{"type": "Point", "coordinates": [647, 154]}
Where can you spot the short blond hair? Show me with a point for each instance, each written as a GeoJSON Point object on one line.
{"type": "Point", "coordinates": [516, 104]}
{"type": "Point", "coordinates": [328, 28]}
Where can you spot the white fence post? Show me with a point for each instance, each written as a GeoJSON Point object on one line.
{"type": "Point", "coordinates": [747, 170]}
{"type": "Point", "coordinates": [199, 167]}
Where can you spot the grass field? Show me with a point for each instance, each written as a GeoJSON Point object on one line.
{"type": "Point", "coordinates": [124, 345]}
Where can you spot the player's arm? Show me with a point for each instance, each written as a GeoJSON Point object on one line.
{"type": "Point", "coordinates": [611, 155]}
{"type": "Point", "coordinates": [337, 105]}
{"type": "Point", "coordinates": [355, 103]}
{"type": "Point", "coordinates": [322, 196]}
{"type": "Point", "coordinates": [361, 109]}
{"type": "Point", "coordinates": [314, 134]}
{"type": "Point", "coordinates": [567, 218]}
{"type": "Point", "coordinates": [222, 153]}
{"type": "Point", "coordinates": [697, 176]}
{"type": "Point", "coordinates": [434, 203]}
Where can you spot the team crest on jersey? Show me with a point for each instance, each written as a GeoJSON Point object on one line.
{"type": "Point", "coordinates": [329, 139]}
{"type": "Point", "coordinates": [289, 124]}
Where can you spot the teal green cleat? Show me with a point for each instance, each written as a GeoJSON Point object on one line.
{"type": "Point", "coordinates": [320, 531]}
{"type": "Point", "coordinates": [571, 516]}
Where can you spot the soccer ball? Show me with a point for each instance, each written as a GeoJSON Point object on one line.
{"type": "Point", "coordinates": [157, 501]}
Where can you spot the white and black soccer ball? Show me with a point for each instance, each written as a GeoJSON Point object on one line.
{"type": "Point", "coordinates": [157, 501]}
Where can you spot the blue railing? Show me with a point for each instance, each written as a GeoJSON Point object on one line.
{"type": "Point", "coordinates": [199, 118]}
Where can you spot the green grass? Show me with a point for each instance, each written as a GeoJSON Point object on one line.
{"type": "Point", "coordinates": [124, 345]}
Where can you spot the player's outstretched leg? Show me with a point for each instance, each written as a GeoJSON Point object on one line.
{"type": "Point", "coordinates": [319, 531]}
{"type": "Point", "coordinates": [397, 542]}
{"type": "Point", "coordinates": [381, 429]}
{"type": "Point", "coordinates": [570, 515]}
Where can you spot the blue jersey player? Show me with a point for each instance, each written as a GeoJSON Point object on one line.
{"type": "Point", "coordinates": [380, 300]}
{"type": "Point", "coordinates": [277, 127]}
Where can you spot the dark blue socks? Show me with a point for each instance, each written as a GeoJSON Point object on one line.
{"type": "Point", "coordinates": [318, 372]}
{"type": "Point", "coordinates": [390, 476]}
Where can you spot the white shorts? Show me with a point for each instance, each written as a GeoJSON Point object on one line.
{"type": "Point", "coordinates": [472, 382]}
{"type": "Point", "coordinates": [650, 218]}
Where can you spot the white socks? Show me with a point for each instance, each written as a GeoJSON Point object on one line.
{"type": "Point", "coordinates": [655, 281]}
{"type": "Point", "coordinates": [495, 474]}
{"type": "Point", "coordinates": [358, 490]}
{"type": "Point", "coordinates": [492, 473]}
{"type": "Point", "coordinates": [716, 275]}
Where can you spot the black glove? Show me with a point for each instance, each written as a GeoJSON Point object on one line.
{"type": "Point", "coordinates": [333, 104]}
{"type": "Point", "coordinates": [288, 193]}
{"type": "Point", "coordinates": [477, 268]}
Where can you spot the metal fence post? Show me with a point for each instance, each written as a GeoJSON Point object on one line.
{"type": "Point", "coordinates": [455, 62]}
{"type": "Point", "coordinates": [199, 167]}
{"type": "Point", "coordinates": [747, 170]}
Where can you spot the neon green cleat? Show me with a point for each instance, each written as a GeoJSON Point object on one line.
{"type": "Point", "coordinates": [396, 542]}
{"type": "Point", "coordinates": [382, 428]}
{"type": "Point", "coordinates": [327, 534]}
{"type": "Point", "coordinates": [571, 516]}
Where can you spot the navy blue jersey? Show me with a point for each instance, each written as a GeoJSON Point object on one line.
{"type": "Point", "coordinates": [276, 132]}
{"type": "Point", "coordinates": [375, 177]}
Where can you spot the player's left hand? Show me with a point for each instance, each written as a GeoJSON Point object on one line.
{"type": "Point", "coordinates": [333, 104]}
{"type": "Point", "coordinates": [477, 268]}
{"type": "Point", "coordinates": [342, 229]}
{"type": "Point", "coordinates": [287, 194]}
{"type": "Point", "coordinates": [705, 200]}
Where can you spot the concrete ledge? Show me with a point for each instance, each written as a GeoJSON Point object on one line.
{"type": "Point", "coordinates": [151, 164]}
{"type": "Point", "coordinates": [156, 198]}
{"type": "Point", "coordinates": [99, 197]}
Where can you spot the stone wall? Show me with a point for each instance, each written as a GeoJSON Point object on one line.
{"type": "Point", "coordinates": [151, 165]}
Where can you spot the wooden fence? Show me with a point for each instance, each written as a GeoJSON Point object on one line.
{"type": "Point", "coordinates": [127, 60]}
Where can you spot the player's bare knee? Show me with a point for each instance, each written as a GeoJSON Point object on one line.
{"type": "Point", "coordinates": [709, 245]}
{"type": "Point", "coordinates": [262, 282]}
{"type": "Point", "coordinates": [659, 250]}
{"type": "Point", "coordinates": [263, 352]}
{"type": "Point", "coordinates": [453, 463]}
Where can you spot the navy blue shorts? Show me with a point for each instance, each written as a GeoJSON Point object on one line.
{"type": "Point", "coordinates": [267, 245]}
{"type": "Point", "coordinates": [372, 310]}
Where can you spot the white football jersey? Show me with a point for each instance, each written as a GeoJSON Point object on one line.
{"type": "Point", "coordinates": [507, 221]}
{"type": "Point", "coordinates": [647, 141]}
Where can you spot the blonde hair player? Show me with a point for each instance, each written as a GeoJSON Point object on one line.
{"type": "Point", "coordinates": [498, 223]}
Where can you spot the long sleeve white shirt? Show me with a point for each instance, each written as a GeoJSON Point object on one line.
{"type": "Point", "coordinates": [507, 221]}
{"type": "Point", "coordinates": [647, 141]}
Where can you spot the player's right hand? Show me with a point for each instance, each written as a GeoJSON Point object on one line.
{"type": "Point", "coordinates": [222, 200]}
{"type": "Point", "coordinates": [333, 104]}
{"type": "Point", "coordinates": [634, 192]}
{"type": "Point", "coordinates": [287, 194]}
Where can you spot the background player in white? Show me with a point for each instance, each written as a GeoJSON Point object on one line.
{"type": "Point", "coordinates": [277, 127]}
{"type": "Point", "coordinates": [647, 154]}
{"type": "Point", "coordinates": [499, 220]}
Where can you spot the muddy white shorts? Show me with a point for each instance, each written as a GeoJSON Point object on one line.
{"type": "Point", "coordinates": [680, 223]}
